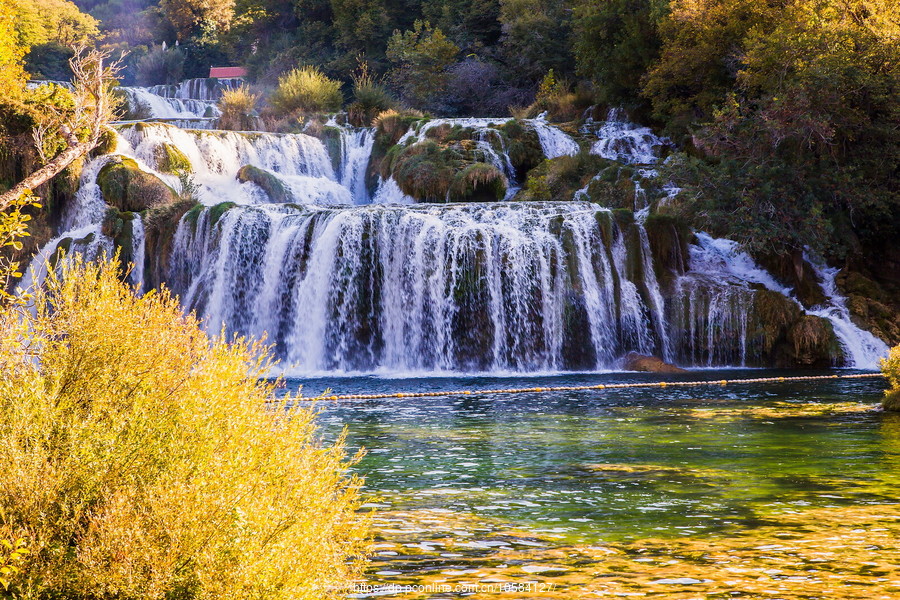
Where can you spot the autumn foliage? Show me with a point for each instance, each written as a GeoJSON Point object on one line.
{"type": "Point", "coordinates": [141, 459]}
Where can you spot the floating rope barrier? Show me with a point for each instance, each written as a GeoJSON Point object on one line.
{"type": "Point", "coordinates": [602, 386]}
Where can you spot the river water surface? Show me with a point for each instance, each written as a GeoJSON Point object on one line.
{"type": "Point", "coordinates": [635, 492]}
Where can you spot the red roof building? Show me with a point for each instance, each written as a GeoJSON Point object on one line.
{"type": "Point", "coordinates": [227, 72]}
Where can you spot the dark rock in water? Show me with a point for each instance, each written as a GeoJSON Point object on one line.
{"type": "Point", "coordinates": [269, 183]}
{"type": "Point", "coordinates": [648, 364]}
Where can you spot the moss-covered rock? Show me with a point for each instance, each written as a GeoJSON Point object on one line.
{"type": "Point", "coordinates": [169, 159]}
{"type": "Point", "coordinates": [559, 178]}
{"type": "Point", "coordinates": [106, 144]}
{"type": "Point", "coordinates": [216, 212]}
{"type": "Point", "coordinates": [160, 225]}
{"type": "Point", "coordinates": [792, 270]}
{"type": "Point", "coordinates": [523, 146]}
{"type": "Point", "coordinates": [426, 170]}
{"type": "Point", "coordinates": [331, 139]}
{"type": "Point", "coordinates": [479, 182]}
{"type": "Point", "coordinates": [119, 226]}
{"type": "Point", "coordinates": [129, 189]}
{"type": "Point", "coordinates": [669, 238]}
{"type": "Point", "coordinates": [813, 343]}
{"type": "Point", "coordinates": [273, 187]}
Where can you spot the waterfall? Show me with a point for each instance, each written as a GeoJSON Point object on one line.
{"type": "Point", "coordinates": [863, 349]}
{"type": "Point", "coordinates": [656, 302]}
{"type": "Point", "coordinates": [356, 148]}
{"type": "Point", "coordinates": [713, 301]}
{"type": "Point", "coordinates": [138, 249]}
{"type": "Point", "coordinates": [208, 89]}
{"type": "Point", "coordinates": [143, 102]}
{"type": "Point", "coordinates": [299, 164]}
{"type": "Point", "coordinates": [88, 206]}
{"type": "Point", "coordinates": [624, 141]}
{"type": "Point", "coordinates": [339, 279]}
{"type": "Point", "coordinates": [389, 192]}
{"type": "Point", "coordinates": [554, 142]}
{"type": "Point", "coordinates": [447, 287]}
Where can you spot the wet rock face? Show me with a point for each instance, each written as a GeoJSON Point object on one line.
{"type": "Point", "coordinates": [648, 364]}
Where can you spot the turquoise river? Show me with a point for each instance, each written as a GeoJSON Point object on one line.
{"type": "Point", "coordinates": [784, 490]}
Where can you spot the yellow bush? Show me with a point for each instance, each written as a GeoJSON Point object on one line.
{"type": "Point", "coordinates": [141, 459]}
{"type": "Point", "coordinates": [237, 108]}
{"type": "Point", "coordinates": [307, 89]}
{"type": "Point", "coordinates": [890, 366]}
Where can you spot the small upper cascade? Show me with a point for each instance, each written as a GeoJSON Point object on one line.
{"type": "Point", "coordinates": [88, 206]}
{"type": "Point", "coordinates": [297, 167]}
{"type": "Point", "coordinates": [143, 102]}
{"type": "Point", "coordinates": [389, 192]}
{"type": "Point", "coordinates": [863, 349]}
{"type": "Point", "coordinates": [624, 141]}
{"type": "Point", "coordinates": [356, 149]}
{"type": "Point", "coordinates": [554, 141]}
{"type": "Point", "coordinates": [208, 89]}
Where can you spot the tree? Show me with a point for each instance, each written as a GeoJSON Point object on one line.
{"type": "Point", "coordinates": [615, 42]}
{"type": "Point", "coordinates": [536, 37]}
{"type": "Point", "coordinates": [423, 56]}
{"type": "Point", "coordinates": [93, 108]}
{"type": "Point", "coordinates": [701, 56]}
{"type": "Point", "coordinates": [187, 16]}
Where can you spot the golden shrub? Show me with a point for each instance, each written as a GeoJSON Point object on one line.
{"type": "Point", "coordinates": [141, 459]}
{"type": "Point", "coordinates": [890, 366]}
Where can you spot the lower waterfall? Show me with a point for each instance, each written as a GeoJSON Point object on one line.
{"type": "Point", "coordinates": [453, 287]}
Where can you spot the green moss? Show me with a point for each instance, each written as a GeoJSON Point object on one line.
{"type": "Point", "coordinates": [426, 170]}
{"type": "Point", "coordinates": [160, 224]}
{"type": "Point", "coordinates": [814, 344]}
{"type": "Point", "coordinates": [270, 184]}
{"type": "Point", "coordinates": [126, 187]}
{"type": "Point", "coordinates": [773, 315]}
{"type": "Point", "coordinates": [193, 215]}
{"type": "Point", "coordinates": [216, 212]}
{"type": "Point", "coordinates": [523, 146]}
{"type": "Point", "coordinates": [559, 178]}
{"type": "Point", "coordinates": [119, 226]}
{"type": "Point", "coordinates": [169, 159]}
{"type": "Point", "coordinates": [106, 144]}
{"type": "Point", "coordinates": [479, 182]}
{"type": "Point", "coordinates": [331, 139]}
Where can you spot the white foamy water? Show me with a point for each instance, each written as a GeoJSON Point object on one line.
{"type": "Point", "coordinates": [624, 141]}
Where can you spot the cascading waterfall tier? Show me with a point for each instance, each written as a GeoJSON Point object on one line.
{"type": "Point", "coordinates": [289, 242]}
{"type": "Point", "coordinates": [455, 287]}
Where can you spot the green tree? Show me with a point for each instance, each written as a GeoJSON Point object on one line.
{"type": "Point", "coordinates": [615, 42]}
{"type": "Point", "coordinates": [536, 37]}
{"type": "Point", "coordinates": [703, 42]}
{"type": "Point", "coordinates": [422, 57]}
{"type": "Point", "coordinates": [473, 25]}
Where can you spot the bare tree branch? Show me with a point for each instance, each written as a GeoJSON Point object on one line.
{"type": "Point", "coordinates": [94, 108]}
